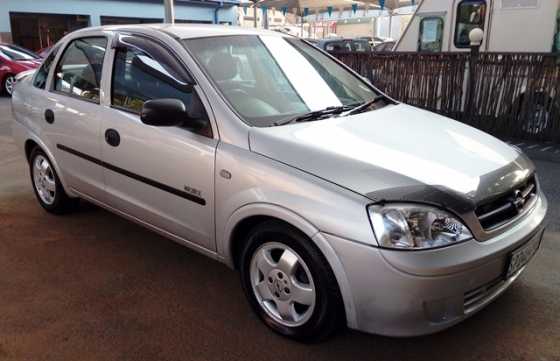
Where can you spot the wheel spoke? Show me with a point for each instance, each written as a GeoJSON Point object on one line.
{"type": "Point", "coordinates": [302, 295]}
{"type": "Point", "coordinates": [265, 264]}
{"type": "Point", "coordinates": [38, 165]}
{"type": "Point", "coordinates": [264, 291]}
{"type": "Point", "coordinates": [288, 262]}
{"type": "Point", "coordinates": [50, 184]}
{"type": "Point", "coordinates": [286, 311]}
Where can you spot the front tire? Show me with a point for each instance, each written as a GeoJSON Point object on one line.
{"type": "Point", "coordinates": [47, 186]}
{"type": "Point", "coordinates": [290, 284]}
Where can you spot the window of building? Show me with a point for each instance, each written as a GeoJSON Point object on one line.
{"type": "Point", "coordinates": [78, 73]}
{"type": "Point", "coordinates": [471, 14]}
{"type": "Point", "coordinates": [40, 79]}
{"type": "Point", "coordinates": [431, 34]}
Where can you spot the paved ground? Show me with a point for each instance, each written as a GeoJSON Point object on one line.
{"type": "Point", "coordinates": [92, 286]}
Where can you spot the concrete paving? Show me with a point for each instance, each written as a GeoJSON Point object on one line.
{"type": "Point", "coordinates": [92, 286]}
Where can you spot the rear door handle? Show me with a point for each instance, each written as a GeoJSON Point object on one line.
{"type": "Point", "coordinates": [112, 137]}
{"type": "Point", "coordinates": [49, 116]}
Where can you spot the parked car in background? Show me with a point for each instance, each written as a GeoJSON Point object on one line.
{"type": "Point", "coordinates": [312, 41]}
{"type": "Point", "coordinates": [14, 60]}
{"type": "Point", "coordinates": [374, 40]}
{"type": "Point", "coordinates": [344, 46]}
{"type": "Point", "coordinates": [383, 47]}
{"type": "Point", "coordinates": [316, 187]}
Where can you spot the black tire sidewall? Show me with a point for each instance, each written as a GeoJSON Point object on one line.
{"type": "Point", "coordinates": [328, 312]}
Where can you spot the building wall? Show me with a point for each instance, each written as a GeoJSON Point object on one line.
{"type": "Point", "coordinates": [97, 8]}
{"type": "Point", "coordinates": [351, 30]}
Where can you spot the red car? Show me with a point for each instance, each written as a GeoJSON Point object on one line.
{"type": "Point", "coordinates": [14, 60]}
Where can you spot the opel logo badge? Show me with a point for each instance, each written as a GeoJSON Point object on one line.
{"type": "Point", "coordinates": [518, 200]}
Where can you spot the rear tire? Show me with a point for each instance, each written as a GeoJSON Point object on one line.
{"type": "Point", "coordinates": [47, 186]}
{"type": "Point", "coordinates": [8, 84]}
{"type": "Point", "coordinates": [301, 301]}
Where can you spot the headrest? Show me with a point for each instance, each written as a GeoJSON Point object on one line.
{"type": "Point", "coordinates": [222, 66]}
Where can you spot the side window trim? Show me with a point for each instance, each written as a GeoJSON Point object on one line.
{"type": "Point", "coordinates": [59, 57]}
{"type": "Point", "coordinates": [117, 43]}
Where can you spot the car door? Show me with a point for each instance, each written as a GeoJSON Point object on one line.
{"type": "Point", "coordinates": [70, 112]}
{"type": "Point", "coordinates": [163, 176]}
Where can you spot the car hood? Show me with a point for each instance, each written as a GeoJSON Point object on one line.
{"type": "Point", "coordinates": [399, 153]}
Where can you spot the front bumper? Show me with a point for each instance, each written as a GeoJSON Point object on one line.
{"type": "Point", "coordinates": [403, 293]}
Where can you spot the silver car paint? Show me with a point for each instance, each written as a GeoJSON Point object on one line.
{"type": "Point", "coordinates": [291, 174]}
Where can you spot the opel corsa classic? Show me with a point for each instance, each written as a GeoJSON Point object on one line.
{"type": "Point", "coordinates": [337, 204]}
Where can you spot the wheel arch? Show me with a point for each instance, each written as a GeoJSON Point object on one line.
{"type": "Point", "coordinates": [248, 216]}
{"type": "Point", "coordinates": [31, 143]}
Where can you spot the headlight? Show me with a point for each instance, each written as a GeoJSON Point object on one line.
{"type": "Point", "coordinates": [410, 226]}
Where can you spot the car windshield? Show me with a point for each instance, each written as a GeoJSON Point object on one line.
{"type": "Point", "coordinates": [269, 78]}
{"type": "Point", "coordinates": [17, 53]}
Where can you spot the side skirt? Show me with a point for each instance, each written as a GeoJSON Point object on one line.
{"type": "Point", "coordinates": [162, 232]}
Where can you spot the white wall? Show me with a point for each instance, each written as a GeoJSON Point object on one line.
{"type": "Point", "coordinates": [509, 30]}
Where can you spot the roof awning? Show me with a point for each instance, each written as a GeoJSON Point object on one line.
{"type": "Point", "coordinates": [336, 4]}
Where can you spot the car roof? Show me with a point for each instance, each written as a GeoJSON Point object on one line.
{"type": "Point", "coordinates": [186, 31]}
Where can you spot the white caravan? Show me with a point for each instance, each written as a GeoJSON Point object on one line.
{"type": "Point", "coordinates": [509, 26]}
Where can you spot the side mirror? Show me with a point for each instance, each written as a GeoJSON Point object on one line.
{"type": "Point", "coordinates": [164, 112]}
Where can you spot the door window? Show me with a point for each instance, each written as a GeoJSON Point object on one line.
{"type": "Point", "coordinates": [144, 70]}
{"type": "Point", "coordinates": [471, 14]}
{"type": "Point", "coordinates": [41, 77]}
{"type": "Point", "coordinates": [431, 34]}
{"type": "Point", "coordinates": [78, 73]}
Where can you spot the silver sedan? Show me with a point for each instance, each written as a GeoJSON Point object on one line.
{"type": "Point", "coordinates": [337, 204]}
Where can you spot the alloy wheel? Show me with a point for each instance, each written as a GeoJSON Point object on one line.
{"type": "Point", "coordinates": [44, 180]}
{"type": "Point", "coordinates": [9, 84]}
{"type": "Point", "coordinates": [282, 284]}
{"type": "Point", "coordinates": [539, 122]}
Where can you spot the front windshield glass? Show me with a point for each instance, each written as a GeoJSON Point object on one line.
{"type": "Point", "coordinates": [17, 53]}
{"type": "Point", "coordinates": [267, 79]}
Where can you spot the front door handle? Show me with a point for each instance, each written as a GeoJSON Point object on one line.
{"type": "Point", "coordinates": [112, 137]}
{"type": "Point", "coordinates": [49, 116]}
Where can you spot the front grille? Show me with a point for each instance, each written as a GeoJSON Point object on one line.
{"type": "Point", "coordinates": [508, 206]}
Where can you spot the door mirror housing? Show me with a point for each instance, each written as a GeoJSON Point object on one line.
{"type": "Point", "coordinates": [170, 112]}
{"type": "Point", "coordinates": [164, 112]}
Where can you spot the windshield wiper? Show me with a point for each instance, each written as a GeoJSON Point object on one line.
{"type": "Point", "coordinates": [316, 114]}
{"type": "Point", "coordinates": [365, 105]}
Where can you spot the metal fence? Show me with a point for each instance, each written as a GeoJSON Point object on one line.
{"type": "Point", "coordinates": [508, 95]}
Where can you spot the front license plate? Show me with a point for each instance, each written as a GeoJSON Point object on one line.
{"type": "Point", "coordinates": [521, 256]}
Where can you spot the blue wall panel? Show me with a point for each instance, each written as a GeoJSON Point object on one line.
{"type": "Point", "coordinates": [97, 8]}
